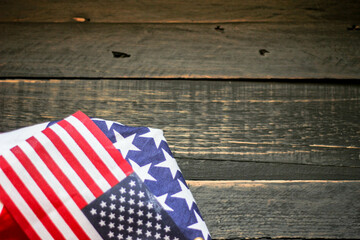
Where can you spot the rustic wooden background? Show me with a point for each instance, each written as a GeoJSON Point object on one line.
{"type": "Point", "coordinates": [181, 39]}
{"type": "Point", "coordinates": [264, 159]}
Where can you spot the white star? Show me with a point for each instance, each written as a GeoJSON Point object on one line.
{"type": "Point", "coordinates": [111, 234]}
{"type": "Point", "coordinates": [141, 194]}
{"type": "Point", "coordinates": [132, 183]}
{"type": "Point", "coordinates": [170, 163]}
{"type": "Point", "coordinates": [148, 224]}
{"type": "Point", "coordinates": [156, 134]}
{"type": "Point", "coordinates": [200, 225]}
{"type": "Point", "coordinates": [122, 199]}
{"type": "Point", "coordinates": [112, 197]}
{"type": "Point", "coordinates": [140, 213]}
{"type": "Point", "coordinates": [129, 238]}
{"type": "Point", "coordinates": [122, 208]}
{"type": "Point", "coordinates": [103, 204]}
{"type": "Point", "coordinates": [130, 220]}
{"type": "Point", "coordinates": [120, 236]}
{"type": "Point", "coordinates": [102, 214]}
{"type": "Point", "coordinates": [139, 222]}
{"type": "Point", "coordinates": [132, 192]}
{"type": "Point", "coordinates": [157, 226]}
{"type": "Point", "coordinates": [157, 235]}
{"type": "Point", "coordinates": [102, 223]}
{"type": "Point", "coordinates": [131, 201]}
{"type": "Point", "coordinates": [149, 215]}
{"type": "Point", "coordinates": [185, 194]}
{"type": "Point", "coordinates": [142, 172]}
{"type": "Point", "coordinates": [109, 124]}
{"type": "Point", "coordinates": [122, 190]}
{"type": "Point", "coordinates": [150, 205]}
{"type": "Point", "coordinates": [167, 229]}
{"type": "Point", "coordinates": [93, 211]}
{"type": "Point", "coordinates": [148, 233]}
{"type": "Point", "coordinates": [161, 200]}
{"type": "Point", "coordinates": [112, 206]}
{"type": "Point", "coordinates": [121, 218]}
{"type": "Point", "coordinates": [140, 203]}
{"type": "Point", "coordinates": [139, 231]}
{"type": "Point", "coordinates": [158, 217]}
{"type": "Point", "coordinates": [131, 210]}
{"type": "Point", "coordinates": [120, 227]}
{"type": "Point", "coordinates": [130, 229]}
{"type": "Point", "coordinates": [166, 237]}
{"type": "Point", "coordinates": [111, 225]}
{"type": "Point", "coordinates": [125, 144]}
{"type": "Point", "coordinates": [112, 215]}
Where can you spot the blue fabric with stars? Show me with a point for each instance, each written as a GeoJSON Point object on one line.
{"type": "Point", "coordinates": [169, 181]}
{"type": "Point", "coordinates": [129, 211]}
{"type": "Point", "coordinates": [149, 155]}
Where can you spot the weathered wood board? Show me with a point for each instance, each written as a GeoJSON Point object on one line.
{"type": "Point", "coordinates": [242, 50]}
{"type": "Point", "coordinates": [280, 209]}
{"type": "Point", "coordinates": [216, 130]}
{"type": "Point", "coordinates": [162, 11]}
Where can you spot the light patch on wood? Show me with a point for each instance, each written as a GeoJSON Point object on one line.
{"type": "Point", "coordinates": [334, 146]}
{"type": "Point", "coordinates": [240, 153]}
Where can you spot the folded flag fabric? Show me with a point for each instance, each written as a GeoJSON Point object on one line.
{"type": "Point", "coordinates": [95, 179]}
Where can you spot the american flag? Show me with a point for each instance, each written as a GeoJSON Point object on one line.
{"type": "Point", "coordinates": [70, 182]}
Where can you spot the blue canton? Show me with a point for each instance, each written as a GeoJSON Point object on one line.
{"type": "Point", "coordinates": [129, 211]}
{"type": "Point", "coordinates": [149, 155]}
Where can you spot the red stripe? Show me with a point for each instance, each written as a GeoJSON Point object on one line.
{"type": "Point", "coordinates": [90, 153]}
{"type": "Point", "coordinates": [105, 142]}
{"type": "Point", "coordinates": [53, 167]}
{"type": "Point", "coordinates": [17, 215]}
{"type": "Point", "coordinates": [30, 199]}
{"type": "Point", "coordinates": [50, 194]}
{"type": "Point", "coordinates": [73, 161]}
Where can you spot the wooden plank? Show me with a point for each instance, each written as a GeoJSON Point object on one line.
{"type": "Point", "coordinates": [179, 51]}
{"type": "Point", "coordinates": [302, 130]}
{"type": "Point", "coordinates": [199, 169]}
{"type": "Point", "coordinates": [299, 11]}
{"type": "Point", "coordinates": [279, 209]}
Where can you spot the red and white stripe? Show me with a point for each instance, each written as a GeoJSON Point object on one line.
{"type": "Point", "coordinates": [46, 180]}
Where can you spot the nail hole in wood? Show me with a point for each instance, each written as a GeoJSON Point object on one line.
{"type": "Point", "coordinates": [120, 54]}
{"type": "Point", "coordinates": [263, 51]}
{"type": "Point", "coordinates": [220, 29]}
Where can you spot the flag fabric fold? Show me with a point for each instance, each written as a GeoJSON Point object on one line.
{"type": "Point", "coordinates": [83, 178]}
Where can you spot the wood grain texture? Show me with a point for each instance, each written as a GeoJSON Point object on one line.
{"type": "Point", "coordinates": [228, 130]}
{"type": "Point", "coordinates": [160, 11]}
{"type": "Point", "coordinates": [199, 169]}
{"type": "Point", "coordinates": [179, 51]}
{"type": "Point", "coordinates": [279, 209]}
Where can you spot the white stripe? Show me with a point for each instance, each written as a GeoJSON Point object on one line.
{"type": "Point", "coordinates": [38, 194]}
{"type": "Point", "coordinates": [60, 192]}
{"type": "Point", "coordinates": [65, 167]}
{"type": "Point", "coordinates": [1, 207]}
{"type": "Point", "coordinates": [81, 157]}
{"type": "Point", "coordinates": [23, 207]}
{"type": "Point", "coordinates": [98, 148]}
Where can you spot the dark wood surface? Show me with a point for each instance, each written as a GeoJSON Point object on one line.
{"type": "Point", "coordinates": [224, 134]}
{"type": "Point", "coordinates": [280, 209]}
{"type": "Point", "coordinates": [226, 130]}
{"type": "Point", "coordinates": [167, 11]}
{"type": "Point", "coordinates": [290, 137]}
{"type": "Point", "coordinates": [81, 50]}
